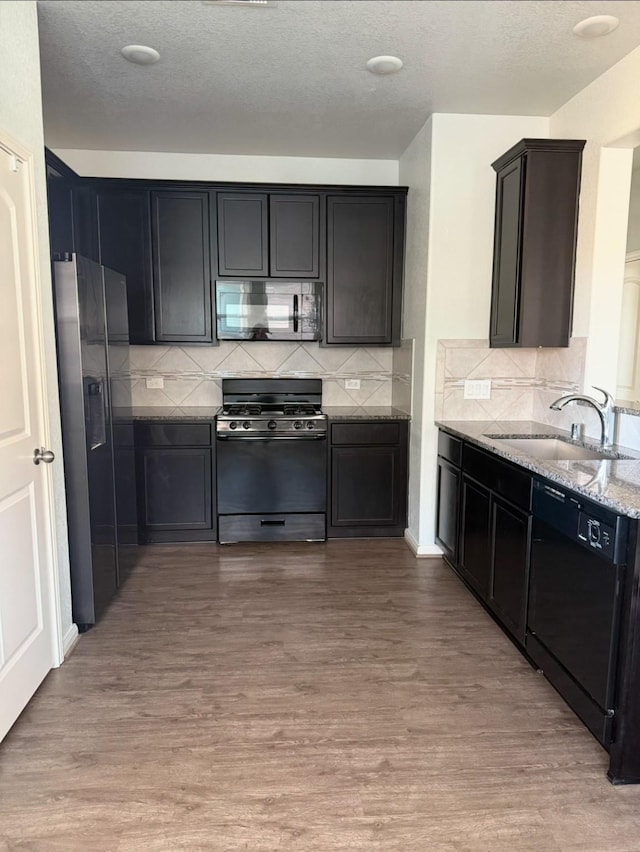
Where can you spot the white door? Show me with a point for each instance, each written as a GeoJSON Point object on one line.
{"type": "Point", "coordinates": [28, 637]}
{"type": "Point", "coordinates": [628, 384]}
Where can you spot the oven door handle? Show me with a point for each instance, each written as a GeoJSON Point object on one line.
{"type": "Point", "coordinates": [298, 437]}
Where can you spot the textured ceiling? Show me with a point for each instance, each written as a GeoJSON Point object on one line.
{"type": "Point", "coordinates": [290, 80]}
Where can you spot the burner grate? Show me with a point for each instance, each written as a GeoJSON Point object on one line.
{"type": "Point", "coordinates": [249, 409]}
{"type": "Point", "coordinates": [302, 409]}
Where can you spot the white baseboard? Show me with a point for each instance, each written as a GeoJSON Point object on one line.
{"type": "Point", "coordinates": [422, 551]}
{"type": "Point", "coordinates": [70, 640]}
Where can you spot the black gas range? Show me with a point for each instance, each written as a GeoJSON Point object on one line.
{"type": "Point", "coordinates": [271, 461]}
{"type": "Point", "coordinates": [274, 408]}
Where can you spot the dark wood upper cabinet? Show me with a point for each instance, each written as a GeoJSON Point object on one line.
{"type": "Point", "coordinates": [243, 244]}
{"type": "Point", "coordinates": [365, 244]}
{"type": "Point", "coordinates": [294, 236]}
{"type": "Point", "coordinates": [124, 233]}
{"type": "Point", "coordinates": [181, 266]}
{"type": "Point", "coordinates": [72, 211]}
{"type": "Point", "coordinates": [537, 189]}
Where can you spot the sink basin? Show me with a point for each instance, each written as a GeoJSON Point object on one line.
{"type": "Point", "coordinates": [555, 449]}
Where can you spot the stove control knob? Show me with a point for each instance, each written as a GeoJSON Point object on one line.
{"type": "Point", "coordinates": [233, 425]}
{"type": "Point", "coordinates": [272, 425]}
{"type": "Point", "coordinates": [309, 424]}
{"type": "Point", "coordinates": [246, 425]}
{"type": "Point", "coordinates": [297, 424]}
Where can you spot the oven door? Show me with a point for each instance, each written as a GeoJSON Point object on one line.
{"type": "Point", "coordinates": [257, 475]}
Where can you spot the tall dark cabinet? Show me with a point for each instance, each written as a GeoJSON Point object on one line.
{"type": "Point", "coordinates": [365, 241]}
{"type": "Point", "coordinates": [537, 189]}
{"type": "Point", "coordinates": [182, 277]}
{"type": "Point", "coordinates": [124, 234]}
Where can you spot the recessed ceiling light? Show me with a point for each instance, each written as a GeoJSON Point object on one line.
{"type": "Point", "coordinates": [384, 64]}
{"type": "Point", "coordinates": [140, 54]}
{"type": "Point", "coordinates": [596, 26]}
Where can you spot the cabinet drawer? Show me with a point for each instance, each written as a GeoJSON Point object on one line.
{"type": "Point", "coordinates": [509, 482]}
{"type": "Point", "coordinates": [450, 448]}
{"type": "Point", "coordinates": [365, 433]}
{"type": "Point", "coordinates": [173, 434]}
{"type": "Point", "coordinates": [286, 527]}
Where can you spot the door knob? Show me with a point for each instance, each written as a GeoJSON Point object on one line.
{"type": "Point", "coordinates": [42, 455]}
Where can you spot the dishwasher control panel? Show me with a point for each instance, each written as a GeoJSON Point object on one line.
{"type": "Point", "coordinates": [594, 527]}
{"type": "Point", "coordinates": [597, 534]}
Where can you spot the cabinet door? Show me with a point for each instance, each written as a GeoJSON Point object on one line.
{"type": "Point", "coordinates": [506, 262]}
{"type": "Point", "coordinates": [447, 509]}
{"type": "Point", "coordinates": [174, 487]}
{"type": "Point", "coordinates": [475, 542]}
{"type": "Point", "coordinates": [181, 266]}
{"type": "Point", "coordinates": [360, 267]}
{"type": "Point", "coordinates": [294, 240]}
{"type": "Point", "coordinates": [85, 221]}
{"type": "Point", "coordinates": [510, 564]}
{"type": "Point", "coordinates": [60, 206]}
{"type": "Point", "coordinates": [368, 491]}
{"type": "Point", "coordinates": [243, 246]}
{"type": "Point", "coordinates": [124, 237]}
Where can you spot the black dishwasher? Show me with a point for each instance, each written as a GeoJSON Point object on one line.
{"type": "Point", "coordinates": [577, 558]}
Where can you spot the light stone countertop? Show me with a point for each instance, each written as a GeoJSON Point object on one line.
{"type": "Point", "coordinates": [625, 407]}
{"type": "Point", "coordinates": [160, 413]}
{"type": "Point", "coordinates": [611, 483]}
{"type": "Point", "coordinates": [362, 412]}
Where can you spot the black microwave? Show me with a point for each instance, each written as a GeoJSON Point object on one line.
{"type": "Point", "coordinates": [268, 310]}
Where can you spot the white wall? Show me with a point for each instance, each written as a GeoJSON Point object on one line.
{"type": "Point", "coordinates": [458, 262]}
{"type": "Point", "coordinates": [415, 172]}
{"type": "Point", "coordinates": [21, 118]}
{"type": "Point", "coordinates": [225, 167]}
{"type": "Point", "coordinates": [607, 114]}
{"type": "Point", "coordinates": [633, 229]}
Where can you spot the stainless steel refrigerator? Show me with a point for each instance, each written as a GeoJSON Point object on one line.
{"type": "Point", "coordinates": [97, 435]}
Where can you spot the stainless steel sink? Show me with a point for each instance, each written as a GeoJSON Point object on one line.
{"type": "Point", "coordinates": [555, 449]}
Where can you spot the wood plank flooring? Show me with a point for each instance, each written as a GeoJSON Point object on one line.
{"type": "Point", "coordinates": [303, 697]}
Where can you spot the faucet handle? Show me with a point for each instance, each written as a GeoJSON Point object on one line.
{"type": "Point", "coordinates": [608, 399]}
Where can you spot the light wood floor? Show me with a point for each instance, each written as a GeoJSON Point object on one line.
{"type": "Point", "coordinates": [303, 697]}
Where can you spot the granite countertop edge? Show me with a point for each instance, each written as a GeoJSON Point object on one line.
{"type": "Point", "coordinates": [614, 484]}
{"type": "Point", "coordinates": [208, 414]}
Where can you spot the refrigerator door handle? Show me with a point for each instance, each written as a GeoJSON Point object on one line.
{"type": "Point", "coordinates": [96, 414]}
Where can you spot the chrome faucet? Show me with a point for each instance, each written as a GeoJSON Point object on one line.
{"type": "Point", "coordinates": [604, 409]}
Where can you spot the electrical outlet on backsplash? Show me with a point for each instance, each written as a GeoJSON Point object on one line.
{"type": "Point", "coordinates": [192, 375]}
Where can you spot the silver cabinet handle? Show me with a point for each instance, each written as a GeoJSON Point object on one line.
{"type": "Point", "coordinates": [42, 455]}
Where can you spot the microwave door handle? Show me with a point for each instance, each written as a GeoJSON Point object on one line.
{"type": "Point", "coordinates": [295, 314]}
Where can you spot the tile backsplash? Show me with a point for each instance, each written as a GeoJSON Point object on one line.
{"type": "Point", "coordinates": [192, 374]}
{"type": "Point", "coordinates": [523, 381]}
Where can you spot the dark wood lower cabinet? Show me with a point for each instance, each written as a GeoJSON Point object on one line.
{"type": "Point", "coordinates": [449, 479]}
{"type": "Point", "coordinates": [510, 536]}
{"type": "Point", "coordinates": [175, 485]}
{"type": "Point", "coordinates": [368, 479]}
{"type": "Point", "coordinates": [483, 524]}
{"type": "Point", "coordinates": [475, 542]}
